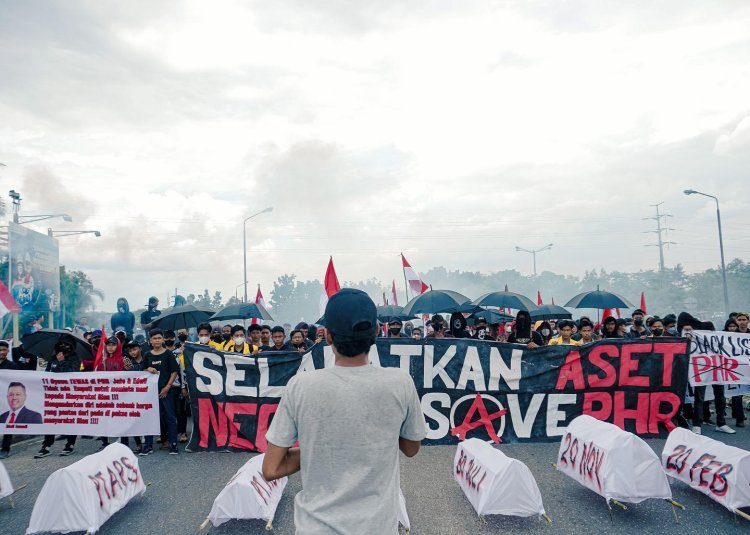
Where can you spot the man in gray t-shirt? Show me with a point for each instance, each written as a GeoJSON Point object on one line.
{"type": "Point", "coordinates": [350, 421]}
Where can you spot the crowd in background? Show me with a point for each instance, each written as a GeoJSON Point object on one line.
{"type": "Point", "coordinates": [161, 352]}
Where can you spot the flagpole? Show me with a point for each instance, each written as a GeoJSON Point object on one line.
{"type": "Point", "coordinates": [406, 284]}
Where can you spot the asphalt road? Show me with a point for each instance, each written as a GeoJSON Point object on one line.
{"type": "Point", "coordinates": [182, 489]}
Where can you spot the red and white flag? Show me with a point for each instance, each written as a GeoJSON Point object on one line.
{"type": "Point", "coordinates": [7, 303]}
{"type": "Point", "coordinates": [393, 294]}
{"type": "Point", "coordinates": [330, 286]}
{"type": "Point", "coordinates": [259, 301]}
{"type": "Point", "coordinates": [538, 297]}
{"type": "Point", "coordinates": [643, 302]}
{"type": "Point", "coordinates": [416, 285]}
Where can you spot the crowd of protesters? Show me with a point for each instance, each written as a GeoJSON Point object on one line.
{"type": "Point", "coordinates": [160, 352]}
{"type": "Point", "coordinates": [583, 331]}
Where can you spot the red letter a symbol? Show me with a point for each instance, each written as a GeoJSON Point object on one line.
{"type": "Point", "coordinates": [485, 419]}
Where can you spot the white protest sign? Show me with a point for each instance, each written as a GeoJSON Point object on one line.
{"type": "Point", "coordinates": [494, 483]}
{"type": "Point", "coordinates": [6, 487]}
{"type": "Point", "coordinates": [613, 463]}
{"type": "Point", "coordinates": [82, 496]}
{"type": "Point", "coordinates": [719, 471]}
{"type": "Point", "coordinates": [248, 495]}
{"type": "Point", "coordinates": [719, 357]}
{"type": "Point", "coordinates": [108, 404]}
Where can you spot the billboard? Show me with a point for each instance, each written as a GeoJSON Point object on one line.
{"type": "Point", "coordinates": [35, 271]}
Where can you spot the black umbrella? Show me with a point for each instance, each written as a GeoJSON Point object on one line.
{"type": "Point", "coordinates": [439, 301]}
{"type": "Point", "coordinates": [389, 313]}
{"type": "Point", "coordinates": [182, 317]}
{"type": "Point", "coordinates": [599, 299]}
{"type": "Point", "coordinates": [491, 316]}
{"type": "Point", "coordinates": [243, 311]}
{"type": "Point", "coordinates": [505, 299]}
{"type": "Point", "coordinates": [550, 312]}
{"type": "Point", "coordinates": [42, 343]}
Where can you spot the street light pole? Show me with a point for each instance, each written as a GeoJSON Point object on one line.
{"type": "Point", "coordinates": [244, 244]}
{"type": "Point", "coordinates": [721, 246]}
{"type": "Point", "coordinates": [62, 233]}
{"type": "Point", "coordinates": [534, 252]}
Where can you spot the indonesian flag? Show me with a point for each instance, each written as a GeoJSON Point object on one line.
{"type": "Point", "coordinates": [259, 301]}
{"type": "Point", "coordinates": [7, 303]}
{"type": "Point", "coordinates": [538, 297]}
{"type": "Point", "coordinates": [607, 312]}
{"type": "Point", "coordinates": [643, 302]}
{"type": "Point", "coordinates": [393, 293]}
{"type": "Point", "coordinates": [330, 286]}
{"type": "Point", "coordinates": [416, 285]}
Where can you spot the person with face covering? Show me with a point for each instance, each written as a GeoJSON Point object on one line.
{"type": "Point", "coordinates": [738, 411]}
{"type": "Point", "coordinates": [609, 327]}
{"type": "Point", "coordinates": [64, 360]}
{"type": "Point", "coordinates": [522, 332]}
{"type": "Point", "coordinates": [458, 326]}
{"type": "Point", "coordinates": [544, 328]}
{"type": "Point", "coordinates": [394, 328]}
{"type": "Point", "coordinates": [123, 319]}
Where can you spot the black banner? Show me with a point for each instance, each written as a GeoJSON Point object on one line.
{"type": "Point", "coordinates": [468, 388]}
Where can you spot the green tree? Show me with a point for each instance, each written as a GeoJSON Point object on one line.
{"type": "Point", "coordinates": [77, 295]}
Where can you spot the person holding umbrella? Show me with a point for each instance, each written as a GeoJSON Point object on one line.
{"type": "Point", "coordinates": [64, 361]}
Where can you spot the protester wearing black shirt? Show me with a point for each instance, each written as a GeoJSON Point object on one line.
{"type": "Point", "coordinates": [162, 361]}
{"type": "Point", "coordinates": [523, 334]}
{"type": "Point", "coordinates": [151, 313]}
{"type": "Point", "coordinates": [277, 337]}
{"type": "Point", "coordinates": [64, 360]}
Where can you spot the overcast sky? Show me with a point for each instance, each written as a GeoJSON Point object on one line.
{"type": "Point", "coordinates": [451, 131]}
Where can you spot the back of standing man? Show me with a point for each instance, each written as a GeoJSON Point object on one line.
{"type": "Point", "coordinates": [351, 420]}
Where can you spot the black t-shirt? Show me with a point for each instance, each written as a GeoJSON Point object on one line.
{"type": "Point", "coordinates": [7, 364]}
{"type": "Point", "coordinates": [165, 362]}
{"type": "Point", "coordinates": [148, 315]}
{"type": "Point", "coordinates": [536, 337]}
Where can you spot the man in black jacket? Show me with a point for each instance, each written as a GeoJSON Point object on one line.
{"type": "Point", "coordinates": [64, 361]}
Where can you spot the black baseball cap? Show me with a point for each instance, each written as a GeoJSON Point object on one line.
{"type": "Point", "coordinates": [395, 321]}
{"type": "Point", "coordinates": [351, 315]}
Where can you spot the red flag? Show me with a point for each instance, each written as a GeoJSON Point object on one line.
{"type": "Point", "coordinates": [643, 303]}
{"type": "Point", "coordinates": [7, 303]}
{"type": "Point", "coordinates": [330, 286]}
{"type": "Point", "coordinates": [393, 293]}
{"type": "Point", "coordinates": [607, 312]}
{"type": "Point", "coordinates": [99, 361]}
{"type": "Point", "coordinates": [618, 312]}
{"type": "Point", "coordinates": [385, 300]}
{"type": "Point", "coordinates": [416, 284]}
{"type": "Point", "coordinates": [258, 301]}
{"type": "Point", "coordinates": [553, 300]}
{"type": "Point", "coordinates": [538, 297]}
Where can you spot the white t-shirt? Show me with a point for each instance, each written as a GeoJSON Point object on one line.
{"type": "Point", "coordinates": [348, 422]}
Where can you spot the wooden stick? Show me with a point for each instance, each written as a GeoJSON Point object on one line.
{"type": "Point", "coordinates": [203, 524]}
{"type": "Point", "coordinates": [12, 503]}
{"type": "Point", "coordinates": [622, 505]}
{"type": "Point", "coordinates": [547, 518]}
{"type": "Point", "coordinates": [676, 504]}
{"type": "Point", "coordinates": [743, 515]}
{"type": "Point", "coordinates": [405, 530]}
{"type": "Point", "coordinates": [21, 487]}
{"type": "Point", "coordinates": [676, 517]}
{"type": "Point", "coordinates": [554, 466]}
{"type": "Point", "coordinates": [269, 524]}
